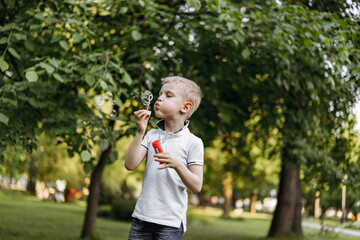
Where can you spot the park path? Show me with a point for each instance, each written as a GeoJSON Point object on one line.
{"type": "Point", "coordinates": [333, 229]}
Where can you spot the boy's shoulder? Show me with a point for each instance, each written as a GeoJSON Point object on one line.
{"type": "Point", "coordinates": [194, 138]}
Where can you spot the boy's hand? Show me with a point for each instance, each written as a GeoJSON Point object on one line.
{"type": "Point", "coordinates": [168, 159]}
{"type": "Point", "coordinates": [141, 120]}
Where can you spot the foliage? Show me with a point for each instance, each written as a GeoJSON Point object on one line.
{"type": "Point", "coordinates": [278, 67]}
{"type": "Point", "coordinates": [342, 8]}
{"type": "Point", "coordinates": [115, 205]}
{"type": "Point", "coordinates": [53, 163]}
{"type": "Point", "coordinates": [116, 177]}
{"type": "Point", "coordinates": [59, 80]}
{"type": "Point", "coordinates": [14, 162]}
{"type": "Point", "coordinates": [122, 209]}
{"type": "Point", "coordinates": [258, 169]}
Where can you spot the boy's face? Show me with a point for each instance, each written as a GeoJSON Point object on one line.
{"type": "Point", "coordinates": [170, 101]}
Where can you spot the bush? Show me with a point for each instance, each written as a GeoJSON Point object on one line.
{"type": "Point", "coordinates": [104, 211]}
{"type": "Point", "coordinates": [106, 195]}
{"type": "Point", "coordinates": [122, 209]}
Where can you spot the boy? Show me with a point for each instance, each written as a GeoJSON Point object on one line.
{"type": "Point", "coordinates": [160, 212]}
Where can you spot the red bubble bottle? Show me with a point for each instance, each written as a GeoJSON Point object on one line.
{"type": "Point", "coordinates": [157, 146]}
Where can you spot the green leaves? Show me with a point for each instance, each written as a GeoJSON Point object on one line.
{"type": "Point", "coordinates": [13, 52]}
{"type": "Point", "coordinates": [3, 64]}
{"type": "Point", "coordinates": [245, 53]}
{"type": "Point", "coordinates": [49, 69]}
{"type": "Point", "coordinates": [54, 62]}
{"type": "Point", "coordinates": [344, 55]}
{"type": "Point", "coordinates": [136, 35]}
{"type": "Point", "coordinates": [126, 78]}
{"type": "Point", "coordinates": [64, 45]}
{"type": "Point", "coordinates": [90, 80]}
{"type": "Point", "coordinates": [4, 118]}
{"type": "Point", "coordinates": [194, 3]}
{"type": "Point", "coordinates": [31, 76]}
{"type": "Point", "coordinates": [103, 144]}
{"type": "Point", "coordinates": [58, 77]}
{"type": "Point", "coordinates": [77, 37]}
{"type": "Point", "coordinates": [85, 156]}
{"type": "Point", "coordinates": [307, 43]}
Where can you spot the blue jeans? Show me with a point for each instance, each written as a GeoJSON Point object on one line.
{"type": "Point", "coordinates": [141, 230]}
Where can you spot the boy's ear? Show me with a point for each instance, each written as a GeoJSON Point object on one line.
{"type": "Point", "coordinates": [186, 108]}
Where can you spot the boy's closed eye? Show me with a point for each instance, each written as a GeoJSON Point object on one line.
{"type": "Point", "coordinates": [167, 93]}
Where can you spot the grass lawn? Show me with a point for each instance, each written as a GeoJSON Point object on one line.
{"type": "Point", "coordinates": [25, 217]}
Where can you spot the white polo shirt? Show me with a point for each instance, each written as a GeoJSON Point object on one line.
{"type": "Point", "coordinates": [164, 198]}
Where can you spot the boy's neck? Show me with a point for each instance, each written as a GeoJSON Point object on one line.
{"type": "Point", "coordinates": [173, 126]}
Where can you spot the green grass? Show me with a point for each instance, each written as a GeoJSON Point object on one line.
{"type": "Point", "coordinates": [207, 224]}
{"type": "Point", "coordinates": [25, 217]}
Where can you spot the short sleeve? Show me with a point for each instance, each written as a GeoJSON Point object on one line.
{"type": "Point", "coordinates": [196, 152]}
{"type": "Point", "coordinates": [147, 139]}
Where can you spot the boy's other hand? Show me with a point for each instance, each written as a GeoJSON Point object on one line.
{"type": "Point", "coordinates": [141, 120]}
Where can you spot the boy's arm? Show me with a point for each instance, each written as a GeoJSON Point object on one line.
{"type": "Point", "coordinates": [136, 154]}
{"type": "Point", "coordinates": [192, 177]}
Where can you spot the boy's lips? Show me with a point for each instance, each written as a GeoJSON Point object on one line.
{"type": "Point", "coordinates": [157, 105]}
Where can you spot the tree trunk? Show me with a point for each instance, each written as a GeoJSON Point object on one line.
{"type": "Point", "coordinates": [253, 200]}
{"type": "Point", "coordinates": [32, 174]}
{"type": "Point", "coordinates": [317, 211]}
{"type": "Point", "coordinates": [287, 216]}
{"type": "Point", "coordinates": [227, 191]}
{"type": "Point", "coordinates": [202, 201]}
{"type": "Point", "coordinates": [93, 198]}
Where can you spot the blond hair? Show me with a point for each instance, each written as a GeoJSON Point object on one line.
{"type": "Point", "coordinates": [192, 91]}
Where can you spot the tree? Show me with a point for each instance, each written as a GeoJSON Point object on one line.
{"type": "Point", "coordinates": [58, 58]}
{"type": "Point", "coordinates": [14, 163]}
{"type": "Point", "coordinates": [300, 57]}
{"type": "Point", "coordinates": [54, 90]}
{"type": "Point", "coordinates": [297, 69]}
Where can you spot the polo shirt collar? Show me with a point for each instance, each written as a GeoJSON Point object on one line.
{"type": "Point", "coordinates": [161, 125]}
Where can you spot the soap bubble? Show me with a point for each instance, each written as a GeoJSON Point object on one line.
{"type": "Point", "coordinates": [102, 101]}
{"type": "Point", "coordinates": [148, 84]}
{"type": "Point", "coordinates": [113, 113]}
{"type": "Point", "coordinates": [108, 96]}
{"type": "Point", "coordinates": [99, 102]}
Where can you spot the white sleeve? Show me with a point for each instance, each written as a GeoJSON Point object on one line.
{"type": "Point", "coordinates": [146, 140]}
{"type": "Point", "coordinates": [196, 152]}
